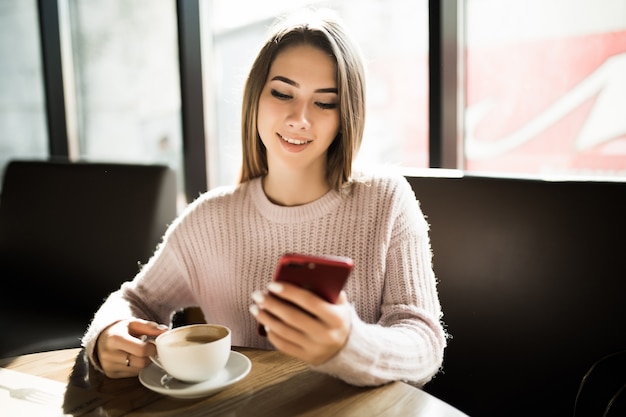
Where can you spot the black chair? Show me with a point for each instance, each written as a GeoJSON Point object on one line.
{"type": "Point", "coordinates": [602, 391]}
{"type": "Point", "coordinates": [532, 285]}
{"type": "Point", "coordinates": [70, 233]}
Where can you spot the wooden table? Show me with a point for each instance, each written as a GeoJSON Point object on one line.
{"type": "Point", "coordinates": [276, 386]}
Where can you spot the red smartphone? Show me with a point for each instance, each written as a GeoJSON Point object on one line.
{"type": "Point", "coordinates": [323, 275]}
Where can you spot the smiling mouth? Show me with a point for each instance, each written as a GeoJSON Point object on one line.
{"type": "Point", "coordinates": [294, 141]}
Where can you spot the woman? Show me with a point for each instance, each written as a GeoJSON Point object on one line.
{"type": "Point", "coordinates": [302, 124]}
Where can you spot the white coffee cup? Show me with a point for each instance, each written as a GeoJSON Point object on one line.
{"type": "Point", "coordinates": [193, 353]}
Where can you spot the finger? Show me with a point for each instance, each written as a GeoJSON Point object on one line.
{"type": "Point", "coordinates": [277, 325]}
{"type": "Point", "coordinates": [299, 345]}
{"type": "Point", "coordinates": [123, 364]}
{"type": "Point", "coordinates": [342, 299]}
{"type": "Point", "coordinates": [298, 334]}
{"type": "Point", "coordinates": [122, 367]}
{"type": "Point", "coordinates": [135, 363]}
{"type": "Point", "coordinates": [118, 364]}
{"type": "Point", "coordinates": [329, 328]}
{"type": "Point", "coordinates": [284, 344]}
{"type": "Point", "coordinates": [135, 328]}
{"type": "Point", "coordinates": [138, 328]}
{"type": "Point", "coordinates": [135, 342]}
{"type": "Point", "coordinates": [338, 314]}
{"type": "Point", "coordinates": [118, 345]}
{"type": "Point", "coordinates": [289, 315]}
{"type": "Point", "coordinates": [325, 312]}
{"type": "Point", "coordinates": [302, 298]}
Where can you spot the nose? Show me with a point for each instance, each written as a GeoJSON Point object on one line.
{"type": "Point", "coordinates": [298, 117]}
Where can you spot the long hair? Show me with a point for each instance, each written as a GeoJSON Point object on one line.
{"type": "Point", "coordinates": [323, 30]}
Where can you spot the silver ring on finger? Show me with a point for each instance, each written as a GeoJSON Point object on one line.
{"type": "Point", "coordinates": [128, 359]}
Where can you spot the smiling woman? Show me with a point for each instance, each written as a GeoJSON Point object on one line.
{"type": "Point", "coordinates": [303, 117]}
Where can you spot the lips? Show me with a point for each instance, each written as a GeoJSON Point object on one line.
{"type": "Point", "coordinates": [295, 141]}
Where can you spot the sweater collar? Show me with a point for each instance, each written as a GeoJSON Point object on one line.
{"type": "Point", "coordinates": [292, 214]}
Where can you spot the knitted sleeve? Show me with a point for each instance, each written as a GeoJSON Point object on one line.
{"type": "Point", "coordinates": [159, 289]}
{"type": "Point", "coordinates": [408, 341]}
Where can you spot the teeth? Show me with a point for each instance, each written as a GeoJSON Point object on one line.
{"type": "Point", "coordinates": [294, 141]}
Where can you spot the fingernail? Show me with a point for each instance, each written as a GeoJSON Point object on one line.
{"type": "Point", "coordinates": [275, 287]}
{"type": "Point", "coordinates": [162, 327]}
{"type": "Point", "coordinates": [254, 310]}
{"type": "Point", "coordinates": [258, 297]}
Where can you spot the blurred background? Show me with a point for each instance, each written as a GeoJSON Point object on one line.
{"type": "Point", "coordinates": [507, 87]}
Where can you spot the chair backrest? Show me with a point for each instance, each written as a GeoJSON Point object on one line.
{"type": "Point", "coordinates": [602, 391]}
{"type": "Point", "coordinates": [532, 285]}
{"type": "Point", "coordinates": [70, 233]}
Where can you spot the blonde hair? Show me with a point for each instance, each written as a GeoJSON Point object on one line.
{"type": "Point", "coordinates": [321, 29]}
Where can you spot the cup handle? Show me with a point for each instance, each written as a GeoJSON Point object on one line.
{"type": "Point", "coordinates": [154, 359]}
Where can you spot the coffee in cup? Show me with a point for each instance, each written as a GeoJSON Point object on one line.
{"type": "Point", "coordinates": [193, 353]}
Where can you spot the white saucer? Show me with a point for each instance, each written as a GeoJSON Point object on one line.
{"type": "Point", "coordinates": [237, 367]}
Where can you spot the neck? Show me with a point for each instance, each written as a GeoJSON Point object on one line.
{"type": "Point", "coordinates": [294, 190]}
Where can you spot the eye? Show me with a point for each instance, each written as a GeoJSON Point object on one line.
{"type": "Point", "coordinates": [326, 106]}
{"type": "Point", "coordinates": [279, 95]}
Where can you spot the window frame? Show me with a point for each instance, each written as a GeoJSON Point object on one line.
{"type": "Point", "coordinates": [446, 89]}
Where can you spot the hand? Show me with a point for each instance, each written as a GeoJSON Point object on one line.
{"type": "Point", "coordinates": [313, 330]}
{"type": "Point", "coordinates": [121, 351]}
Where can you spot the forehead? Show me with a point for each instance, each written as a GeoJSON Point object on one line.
{"type": "Point", "coordinates": [305, 63]}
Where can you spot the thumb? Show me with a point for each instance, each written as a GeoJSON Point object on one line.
{"type": "Point", "coordinates": [139, 328]}
{"type": "Point", "coordinates": [342, 299]}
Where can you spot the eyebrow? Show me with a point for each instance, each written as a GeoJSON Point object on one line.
{"type": "Point", "coordinates": [295, 84]}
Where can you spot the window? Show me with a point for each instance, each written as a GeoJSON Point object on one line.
{"type": "Point", "coordinates": [545, 87]}
{"type": "Point", "coordinates": [125, 59]}
{"type": "Point", "coordinates": [22, 110]}
{"type": "Point", "coordinates": [543, 82]}
{"type": "Point", "coordinates": [393, 36]}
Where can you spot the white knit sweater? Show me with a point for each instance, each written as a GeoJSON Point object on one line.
{"type": "Point", "coordinates": [227, 243]}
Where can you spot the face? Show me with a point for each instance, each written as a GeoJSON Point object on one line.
{"type": "Point", "coordinates": [298, 115]}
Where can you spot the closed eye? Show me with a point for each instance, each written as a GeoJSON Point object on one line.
{"type": "Point", "coordinates": [322, 105]}
{"type": "Point", "coordinates": [280, 95]}
{"type": "Point", "coordinates": [326, 106]}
